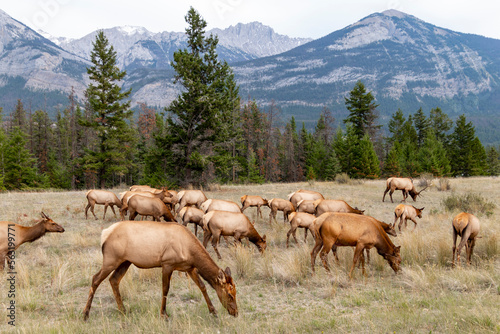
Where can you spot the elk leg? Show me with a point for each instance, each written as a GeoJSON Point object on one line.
{"type": "Point", "coordinates": [390, 194]}
{"type": "Point", "coordinates": [334, 251]}
{"type": "Point", "coordinates": [454, 247]}
{"type": "Point", "coordinates": [206, 237]}
{"type": "Point", "coordinates": [305, 234]}
{"type": "Point", "coordinates": [196, 229]}
{"type": "Point", "coordinates": [115, 279]}
{"type": "Point", "coordinates": [91, 210]}
{"type": "Point", "coordinates": [385, 192]}
{"type": "Point", "coordinates": [357, 254]}
{"type": "Point", "coordinates": [215, 241]}
{"type": "Point", "coordinates": [324, 252]}
{"type": "Point", "coordinates": [196, 278]}
{"type": "Point", "coordinates": [415, 222]}
{"type": "Point", "coordinates": [105, 208]}
{"type": "Point", "coordinates": [463, 241]}
{"type": "Point", "coordinates": [314, 252]}
{"type": "Point", "coordinates": [113, 209]}
{"type": "Point", "coordinates": [165, 279]}
{"type": "Point", "coordinates": [96, 281]}
{"type": "Point", "coordinates": [471, 249]}
{"type": "Point", "coordinates": [259, 212]}
{"type": "Point", "coordinates": [395, 220]}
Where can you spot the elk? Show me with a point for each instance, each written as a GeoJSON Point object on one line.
{"type": "Point", "coordinates": [466, 226]}
{"type": "Point", "coordinates": [301, 194]}
{"type": "Point", "coordinates": [170, 246]}
{"type": "Point", "coordinates": [349, 229]}
{"type": "Point", "coordinates": [251, 200]}
{"type": "Point", "coordinates": [387, 228]}
{"type": "Point", "coordinates": [142, 188]}
{"type": "Point", "coordinates": [220, 205]}
{"type": "Point", "coordinates": [332, 205]}
{"type": "Point", "coordinates": [190, 214]}
{"type": "Point", "coordinates": [102, 197]}
{"type": "Point", "coordinates": [125, 197]}
{"type": "Point", "coordinates": [148, 206]}
{"type": "Point", "coordinates": [13, 235]}
{"type": "Point", "coordinates": [234, 224]}
{"type": "Point", "coordinates": [191, 197]}
{"type": "Point", "coordinates": [405, 185]}
{"type": "Point", "coordinates": [307, 205]}
{"type": "Point", "coordinates": [300, 219]}
{"type": "Point", "coordinates": [171, 200]}
{"type": "Point", "coordinates": [278, 204]}
{"type": "Point", "coordinates": [404, 212]}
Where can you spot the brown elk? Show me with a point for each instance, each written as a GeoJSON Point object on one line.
{"type": "Point", "coordinates": [251, 200]}
{"type": "Point", "coordinates": [278, 204]}
{"type": "Point", "coordinates": [307, 205]}
{"type": "Point", "coordinates": [300, 219]}
{"type": "Point", "coordinates": [332, 205]}
{"type": "Point", "coordinates": [301, 194]}
{"type": "Point", "coordinates": [404, 212]}
{"type": "Point", "coordinates": [359, 231]}
{"type": "Point", "coordinates": [162, 194]}
{"type": "Point", "coordinates": [169, 246]}
{"type": "Point", "coordinates": [387, 228]}
{"type": "Point", "coordinates": [148, 206]}
{"type": "Point", "coordinates": [224, 223]}
{"type": "Point", "coordinates": [193, 215]}
{"type": "Point", "coordinates": [220, 205]}
{"type": "Point", "coordinates": [172, 201]}
{"type": "Point", "coordinates": [405, 185]}
{"type": "Point", "coordinates": [102, 197]}
{"type": "Point", "coordinates": [191, 197]}
{"type": "Point", "coordinates": [13, 235]}
{"type": "Point", "coordinates": [466, 226]}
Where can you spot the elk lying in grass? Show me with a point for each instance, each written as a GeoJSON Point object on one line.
{"type": "Point", "coordinates": [219, 205]}
{"type": "Point", "coordinates": [102, 197]}
{"type": "Point", "coordinates": [301, 194]}
{"type": "Point", "coordinates": [190, 214]}
{"type": "Point", "coordinates": [278, 204]}
{"type": "Point", "coordinates": [191, 197]}
{"type": "Point", "coordinates": [466, 226]}
{"type": "Point", "coordinates": [125, 197]}
{"type": "Point", "coordinates": [332, 205]}
{"type": "Point", "coordinates": [387, 228]}
{"type": "Point", "coordinates": [148, 206]}
{"type": "Point", "coordinates": [405, 185]}
{"type": "Point", "coordinates": [306, 205]}
{"type": "Point", "coordinates": [348, 229]}
{"type": "Point", "coordinates": [169, 246]}
{"type": "Point", "coordinates": [300, 219]}
{"type": "Point", "coordinates": [404, 212]}
{"type": "Point", "coordinates": [13, 235]}
{"type": "Point", "coordinates": [251, 200]}
{"type": "Point", "coordinates": [224, 223]}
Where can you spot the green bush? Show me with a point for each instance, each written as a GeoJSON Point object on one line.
{"type": "Point", "coordinates": [342, 178]}
{"type": "Point", "coordinates": [471, 203]}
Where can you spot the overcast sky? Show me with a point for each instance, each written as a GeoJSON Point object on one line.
{"type": "Point", "coordinates": [295, 18]}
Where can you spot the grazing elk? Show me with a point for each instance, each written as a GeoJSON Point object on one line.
{"type": "Point", "coordinates": [251, 200]}
{"type": "Point", "coordinates": [348, 229]}
{"type": "Point", "coordinates": [236, 224]}
{"type": "Point", "coordinates": [278, 204]}
{"type": "Point", "coordinates": [125, 197]}
{"type": "Point", "coordinates": [220, 205]}
{"type": "Point", "coordinates": [301, 194]}
{"type": "Point", "coordinates": [191, 197]}
{"type": "Point", "coordinates": [300, 219]}
{"type": "Point", "coordinates": [102, 197]}
{"type": "Point", "coordinates": [169, 246]}
{"type": "Point", "coordinates": [387, 228]}
{"type": "Point", "coordinates": [404, 212]}
{"type": "Point", "coordinates": [307, 205]}
{"type": "Point", "coordinates": [405, 185]}
{"type": "Point", "coordinates": [466, 226]}
{"type": "Point", "coordinates": [148, 206]}
{"type": "Point", "coordinates": [193, 215]}
{"type": "Point", "coordinates": [332, 205]}
{"type": "Point", "coordinates": [13, 235]}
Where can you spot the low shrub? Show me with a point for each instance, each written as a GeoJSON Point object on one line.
{"type": "Point", "coordinates": [471, 203]}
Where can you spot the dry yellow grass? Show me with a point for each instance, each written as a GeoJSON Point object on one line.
{"type": "Point", "coordinates": [276, 291]}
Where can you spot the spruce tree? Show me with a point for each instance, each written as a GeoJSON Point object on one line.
{"type": "Point", "coordinates": [466, 151]}
{"type": "Point", "coordinates": [207, 99]}
{"type": "Point", "coordinates": [422, 124]}
{"type": "Point", "coordinates": [109, 117]}
{"type": "Point", "coordinates": [362, 111]}
{"type": "Point", "coordinates": [493, 160]}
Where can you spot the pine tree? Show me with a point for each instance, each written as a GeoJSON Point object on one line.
{"type": "Point", "coordinates": [432, 156]}
{"type": "Point", "coordinates": [19, 164]}
{"type": "Point", "coordinates": [466, 151]}
{"type": "Point", "coordinates": [109, 117]}
{"type": "Point", "coordinates": [493, 160]}
{"type": "Point", "coordinates": [422, 125]}
{"type": "Point", "coordinates": [395, 125]}
{"type": "Point", "coordinates": [391, 163]}
{"type": "Point", "coordinates": [440, 123]}
{"type": "Point", "coordinates": [207, 97]}
{"type": "Point", "coordinates": [362, 111]}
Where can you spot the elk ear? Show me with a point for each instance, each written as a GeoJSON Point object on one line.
{"type": "Point", "coordinates": [397, 249]}
{"type": "Point", "coordinates": [422, 209]}
{"type": "Point", "coordinates": [228, 271]}
{"type": "Point", "coordinates": [44, 215]}
{"type": "Point", "coordinates": [264, 237]}
{"type": "Point", "coordinates": [221, 277]}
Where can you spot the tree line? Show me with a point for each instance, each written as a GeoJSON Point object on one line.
{"type": "Point", "coordinates": [209, 135]}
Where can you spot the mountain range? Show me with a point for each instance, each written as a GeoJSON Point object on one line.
{"type": "Point", "coordinates": [406, 63]}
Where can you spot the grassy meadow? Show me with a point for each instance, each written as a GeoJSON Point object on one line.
{"type": "Point", "coordinates": [276, 292]}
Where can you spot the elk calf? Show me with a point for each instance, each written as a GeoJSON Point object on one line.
{"type": "Point", "coordinates": [278, 204]}
{"type": "Point", "coordinates": [467, 227]}
{"type": "Point", "coordinates": [404, 212]}
{"type": "Point", "coordinates": [103, 197]}
{"type": "Point", "coordinates": [300, 219]}
{"type": "Point", "coordinates": [250, 200]}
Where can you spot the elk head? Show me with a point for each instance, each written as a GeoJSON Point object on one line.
{"type": "Point", "coordinates": [50, 225]}
{"type": "Point", "coordinates": [226, 291]}
{"type": "Point", "coordinates": [394, 259]}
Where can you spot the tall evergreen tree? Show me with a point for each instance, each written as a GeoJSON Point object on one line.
{"type": "Point", "coordinates": [422, 125]}
{"type": "Point", "coordinates": [208, 95]}
{"type": "Point", "coordinates": [493, 159]}
{"type": "Point", "coordinates": [441, 124]}
{"type": "Point", "coordinates": [466, 151]}
{"type": "Point", "coordinates": [432, 156]}
{"type": "Point", "coordinates": [362, 111]}
{"type": "Point", "coordinates": [110, 117]}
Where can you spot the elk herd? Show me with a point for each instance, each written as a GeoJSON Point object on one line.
{"type": "Point", "coordinates": [171, 246]}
